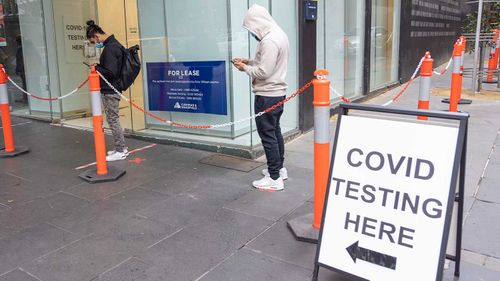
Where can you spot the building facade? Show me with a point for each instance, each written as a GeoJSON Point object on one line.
{"type": "Point", "coordinates": [367, 45]}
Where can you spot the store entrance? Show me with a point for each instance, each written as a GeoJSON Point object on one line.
{"type": "Point", "coordinates": [117, 17]}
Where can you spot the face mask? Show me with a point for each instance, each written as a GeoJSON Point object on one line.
{"type": "Point", "coordinates": [99, 45]}
{"type": "Point", "coordinates": [255, 36]}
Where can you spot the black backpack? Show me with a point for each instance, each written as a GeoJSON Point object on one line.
{"type": "Point", "coordinates": [131, 66]}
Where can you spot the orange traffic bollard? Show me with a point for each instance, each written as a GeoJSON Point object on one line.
{"type": "Point", "coordinates": [493, 60]}
{"type": "Point", "coordinates": [306, 228]}
{"type": "Point", "coordinates": [425, 84]}
{"type": "Point", "coordinates": [102, 173]}
{"type": "Point", "coordinates": [321, 142]}
{"type": "Point", "coordinates": [456, 78]}
{"type": "Point", "coordinates": [497, 50]}
{"type": "Point", "coordinates": [10, 149]}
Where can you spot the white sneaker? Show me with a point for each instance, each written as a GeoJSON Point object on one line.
{"type": "Point", "coordinates": [283, 173]}
{"type": "Point", "coordinates": [114, 151]}
{"type": "Point", "coordinates": [268, 183]}
{"type": "Point", "coordinates": [117, 156]}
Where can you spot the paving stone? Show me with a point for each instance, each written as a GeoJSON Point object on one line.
{"type": "Point", "coordinates": [131, 270]}
{"type": "Point", "coordinates": [137, 199]}
{"type": "Point", "coordinates": [18, 275]}
{"type": "Point", "coordinates": [98, 216]}
{"type": "Point", "coordinates": [470, 272]}
{"type": "Point", "coordinates": [297, 159]}
{"type": "Point", "coordinates": [40, 210]}
{"type": "Point", "coordinates": [195, 205]}
{"type": "Point", "coordinates": [489, 190]}
{"type": "Point", "coordinates": [50, 176]}
{"type": "Point", "coordinates": [328, 275]}
{"type": "Point", "coordinates": [22, 191]}
{"type": "Point", "coordinates": [278, 242]}
{"type": "Point", "coordinates": [184, 179]}
{"type": "Point", "coordinates": [134, 177]}
{"type": "Point", "coordinates": [32, 243]}
{"type": "Point", "coordinates": [492, 264]}
{"type": "Point", "coordinates": [197, 248]}
{"type": "Point", "coordinates": [473, 258]}
{"type": "Point", "coordinates": [97, 253]}
{"type": "Point", "coordinates": [298, 189]}
{"type": "Point", "coordinates": [481, 229]}
{"type": "Point", "coordinates": [246, 265]}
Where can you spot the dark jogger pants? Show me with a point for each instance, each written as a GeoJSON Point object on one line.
{"type": "Point", "coordinates": [268, 126]}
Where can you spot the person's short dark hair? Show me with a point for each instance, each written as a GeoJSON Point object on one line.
{"type": "Point", "coordinates": [93, 29]}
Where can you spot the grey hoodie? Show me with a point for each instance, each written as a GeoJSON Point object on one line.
{"type": "Point", "coordinates": [268, 69]}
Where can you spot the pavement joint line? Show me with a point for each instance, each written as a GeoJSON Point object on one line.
{"type": "Point", "coordinates": [165, 238]}
{"type": "Point", "coordinates": [116, 266]}
{"type": "Point", "coordinates": [141, 216]}
{"type": "Point", "coordinates": [485, 168]}
{"type": "Point", "coordinates": [76, 196]}
{"type": "Point", "coordinates": [19, 124]}
{"type": "Point", "coordinates": [60, 228]}
{"type": "Point", "coordinates": [247, 214]}
{"type": "Point", "coordinates": [19, 177]}
{"type": "Point", "coordinates": [6, 206]}
{"type": "Point", "coordinates": [270, 226]}
{"type": "Point", "coordinates": [217, 265]}
{"type": "Point", "coordinates": [486, 201]}
{"type": "Point", "coordinates": [62, 247]}
{"type": "Point", "coordinates": [73, 195]}
{"type": "Point", "coordinates": [484, 256]}
{"type": "Point", "coordinates": [277, 258]}
{"type": "Point", "coordinates": [5, 273]}
{"type": "Point", "coordinates": [27, 272]}
{"type": "Point", "coordinates": [481, 179]}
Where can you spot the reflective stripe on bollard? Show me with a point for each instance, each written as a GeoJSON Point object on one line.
{"type": "Point", "coordinates": [425, 84]}
{"type": "Point", "coordinates": [456, 78]}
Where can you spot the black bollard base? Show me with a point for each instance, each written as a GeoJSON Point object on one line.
{"type": "Point", "coordinates": [303, 230]}
{"type": "Point", "coordinates": [20, 150]}
{"type": "Point", "coordinates": [461, 101]}
{"type": "Point", "coordinates": [91, 176]}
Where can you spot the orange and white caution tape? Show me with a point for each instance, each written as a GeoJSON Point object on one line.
{"type": "Point", "coordinates": [47, 99]}
{"type": "Point", "coordinates": [445, 69]}
{"type": "Point", "coordinates": [396, 97]}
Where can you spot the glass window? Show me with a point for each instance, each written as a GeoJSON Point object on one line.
{"type": "Point", "coordinates": [23, 52]}
{"type": "Point", "coordinates": [210, 35]}
{"type": "Point", "coordinates": [341, 44]}
{"type": "Point", "coordinates": [384, 43]}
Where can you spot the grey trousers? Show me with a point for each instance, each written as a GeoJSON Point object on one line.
{"type": "Point", "coordinates": [111, 104]}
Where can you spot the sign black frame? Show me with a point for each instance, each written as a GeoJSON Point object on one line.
{"type": "Point", "coordinates": [458, 173]}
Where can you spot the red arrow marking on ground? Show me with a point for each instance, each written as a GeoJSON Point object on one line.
{"type": "Point", "coordinates": [137, 160]}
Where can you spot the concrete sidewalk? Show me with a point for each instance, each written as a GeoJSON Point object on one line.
{"type": "Point", "coordinates": [172, 218]}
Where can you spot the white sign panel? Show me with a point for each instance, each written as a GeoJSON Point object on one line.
{"type": "Point", "coordinates": [388, 199]}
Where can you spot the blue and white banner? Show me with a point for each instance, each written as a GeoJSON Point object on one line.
{"type": "Point", "coordinates": [194, 87]}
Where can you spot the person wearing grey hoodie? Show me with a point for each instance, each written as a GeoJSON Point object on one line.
{"type": "Point", "coordinates": [268, 73]}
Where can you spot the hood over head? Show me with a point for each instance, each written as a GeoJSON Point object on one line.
{"type": "Point", "coordinates": [258, 21]}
